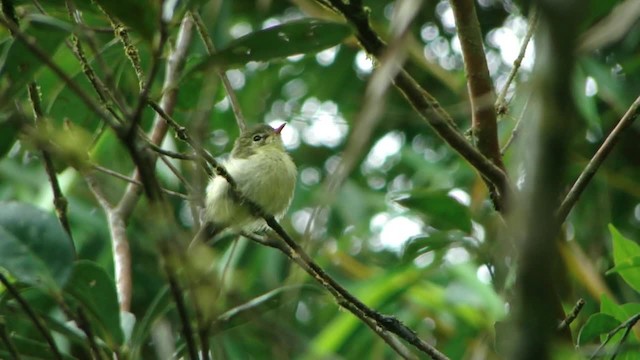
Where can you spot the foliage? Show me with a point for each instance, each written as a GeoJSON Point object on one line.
{"type": "Point", "coordinates": [410, 230]}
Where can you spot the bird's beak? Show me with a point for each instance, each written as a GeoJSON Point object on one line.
{"type": "Point", "coordinates": [279, 128]}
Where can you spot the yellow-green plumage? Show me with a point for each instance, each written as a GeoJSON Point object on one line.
{"type": "Point", "coordinates": [264, 173]}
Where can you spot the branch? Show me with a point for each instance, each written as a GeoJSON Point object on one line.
{"type": "Point", "coordinates": [500, 105]}
{"type": "Point", "coordinates": [627, 325]}
{"type": "Point", "coordinates": [175, 62]}
{"type": "Point", "coordinates": [480, 86]}
{"type": "Point", "coordinates": [377, 322]}
{"type": "Point", "coordinates": [59, 200]}
{"type": "Point", "coordinates": [55, 353]}
{"type": "Point", "coordinates": [233, 99]}
{"type": "Point", "coordinates": [425, 104]}
{"type": "Point", "coordinates": [594, 164]}
{"type": "Point", "coordinates": [572, 315]}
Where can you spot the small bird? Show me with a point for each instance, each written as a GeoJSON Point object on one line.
{"type": "Point", "coordinates": [263, 172]}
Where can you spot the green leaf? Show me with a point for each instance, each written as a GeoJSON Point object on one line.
{"type": "Point", "coordinates": [597, 324]}
{"type": "Point", "coordinates": [161, 304]}
{"type": "Point", "coordinates": [8, 134]}
{"type": "Point", "coordinates": [630, 263]}
{"type": "Point", "coordinates": [421, 244]}
{"type": "Point", "coordinates": [143, 16]}
{"type": "Point", "coordinates": [438, 209]}
{"type": "Point", "coordinates": [95, 290]}
{"type": "Point", "coordinates": [293, 38]}
{"type": "Point", "coordinates": [33, 246]}
{"type": "Point", "coordinates": [624, 250]}
{"type": "Point", "coordinates": [19, 64]}
{"type": "Point", "coordinates": [252, 309]}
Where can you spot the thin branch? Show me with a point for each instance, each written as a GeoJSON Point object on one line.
{"type": "Point", "coordinates": [594, 164]}
{"type": "Point", "coordinates": [572, 315]}
{"type": "Point", "coordinates": [174, 65]}
{"type": "Point", "coordinates": [85, 326]}
{"type": "Point", "coordinates": [500, 105]}
{"type": "Point", "coordinates": [371, 110]}
{"type": "Point", "coordinates": [425, 104]}
{"type": "Point", "coordinates": [55, 353]}
{"type": "Point", "coordinates": [73, 86]}
{"type": "Point", "coordinates": [59, 200]}
{"type": "Point", "coordinates": [516, 130]}
{"type": "Point", "coordinates": [379, 323]}
{"type": "Point", "coordinates": [627, 325]}
{"type": "Point", "coordinates": [231, 94]}
{"type": "Point", "coordinates": [480, 85]}
{"type": "Point", "coordinates": [176, 293]}
{"type": "Point", "coordinates": [117, 175]}
{"type": "Point", "coordinates": [6, 340]}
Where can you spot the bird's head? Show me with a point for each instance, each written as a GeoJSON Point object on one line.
{"type": "Point", "coordinates": [257, 139]}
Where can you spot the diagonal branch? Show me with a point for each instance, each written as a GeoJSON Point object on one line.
{"type": "Point", "coordinates": [425, 104]}
{"type": "Point", "coordinates": [594, 164]}
{"type": "Point", "coordinates": [379, 323]}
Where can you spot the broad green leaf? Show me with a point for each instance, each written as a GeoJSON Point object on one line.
{"type": "Point", "coordinates": [421, 244]}
{"type": "Point", "coordinates": [33, 246]}
{"type": "Point", "coordinates": [19, 63]}
{"type": "Point", "coordinates": [597, 324]}
{"type": "Point", "coordinates": [630, 263]}
{"type": "Point", "coordinates": [293, 38]}
{"type": "Point", "coordinates": [95, 290]}
{"type": "Point", "coordinates": [438, 209]}
{"type": "Point", "coordinates": [623, 252]}
{"type": "Point", "coordinates": [143, 16]}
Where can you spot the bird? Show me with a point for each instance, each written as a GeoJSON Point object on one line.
{"type": "Point", "coordinates": [263, 172]}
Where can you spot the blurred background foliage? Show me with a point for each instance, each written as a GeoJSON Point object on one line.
{"type": "Point", "coordinates": [412, 231]}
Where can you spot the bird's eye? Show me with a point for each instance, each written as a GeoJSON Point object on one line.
{"type": "Point", "coordinates": [257, 138]}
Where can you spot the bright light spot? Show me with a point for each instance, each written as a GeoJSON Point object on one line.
{"type": "Point", "coordinates": [326, 57]}
{"type": "Point", "coordinates": [591, 87]}
{"type": "Point", "coordinates": [331, 164]}
{"type": "Point", "coordinates": [290, 135]}
{"type": "Point", "coordinates": [295, 58]}
{"type": "Point", "coordinates": [236, 78]}
{"type": "Point", "coordinates": [446, 15]}
{"type": "Point", "coordinates": [429, 32]}
{"type": "Point", "coordinates": [327, 128]}
{"type": "Point", "coordinates": [303, 314]}
{"type": "Point", "coordinates": [483, 274]}
{"type": "Point", "coordinates": [478, 231]}
{"type": "Point", "coordinates": [300, 218]}
{"type": "Point", "coordinates": [310, 176]}
{"type": "Point", "coordinates": [506, 40]}
{"type": "Point", "coordinates": [455, 45]}
{"type": "Point", "coordinates": [460, 195]}
{"type": "Point", "coordinates": [387, 146]}
{"type": "Point", "coordinates": [636, 212]}
{"type": "Point", "coordinates": [241, 28]}
{"type": "Point", "coordinates": [424, 260]}
{"type": "Point", "coordinates": [378, 221]}
{"type": "Point", "coordinates": [364, 64]}
{"type": "Point", "coordinates": [398, 230]}
{"type": "Point", "coordinates": [456, 255]}
{"type": "Point", "coordinates": [295, 89]}
{"type": "Point", "coordinates": [439, 47]}
{"type": "Point", "coordinates": [223, 105]}
{"type": "Point", "coordinates": [270, 22]}
{"type": "Point", "coordinates": [310, 106]}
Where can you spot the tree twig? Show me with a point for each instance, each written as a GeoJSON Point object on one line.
{"type": "Point", "coordinates": [425, 104]}
{"type": "Point", "coordinates": [572, 315]}
{"type": "Point", "coordinates": [500, 105]}
{"type": "Point", "coordinates": [231, 94]}
{"type": "Point", "coordinates": [55, 352]}
{"type": "Point", "coordinates": [594, 164]}
{"type": "Point", "coordinates": [627, 325]}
